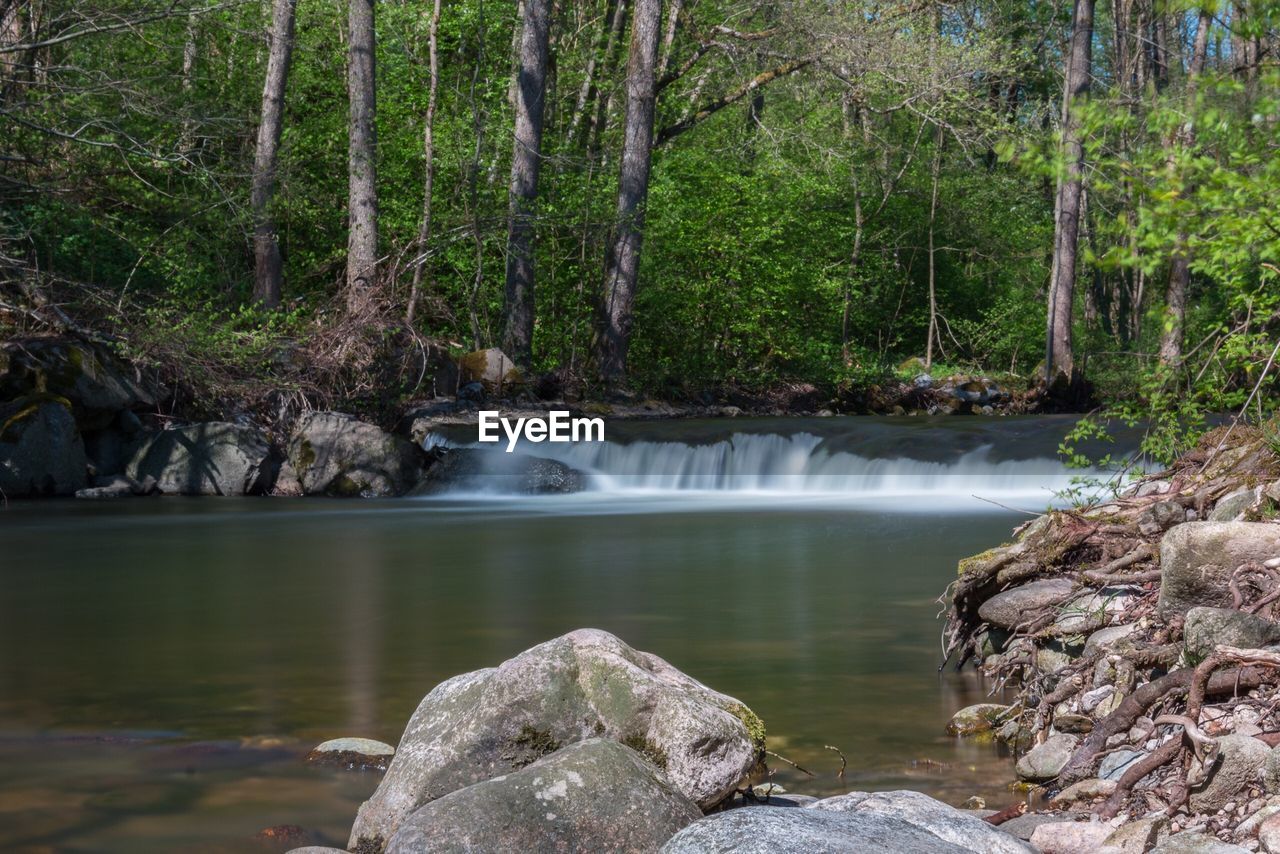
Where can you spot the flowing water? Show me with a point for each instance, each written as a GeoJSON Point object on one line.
{"type": "Point", "coordinates": [166, 663]}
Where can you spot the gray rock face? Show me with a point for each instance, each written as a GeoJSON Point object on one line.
{"type": "Point", "coordinates": [1207, 628]}
{"type": "Point", "coordinates": [585, 684]}
{"type": "Point", "coordinates": [1240, 764]}
{"type": "Point", "coordinates": [1010, 608]}
{"type": "Point", "coordinates": [95, 383]}
{"type": "Point", "coordinates": [1045, 760]}
{"type": "Point", "coordinates": [41, 452]}
{"type": "Point", "coordinates": [944, 821]}
{"type": "Point", "coordinates": [339, 455]}
{"type": "Point", "coordinates": [495, 471]}
{"type": "Point", "coordinates": [1197, 560]}
{"type": "Point", "coordinates": [765, 831]}
{"type": "Point", "coordinates": [206, 459]}
{"type": "Point", "coordinates": [558, 803]}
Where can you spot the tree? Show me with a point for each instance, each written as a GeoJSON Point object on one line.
{"type": "Point", "coordinates": [622, 264]}
{"type": "Point", "coordinates": [362, 174]}
{"type": "Point", "coordinates": [266, 247]}
{"type": "Point", "coordinates": [526, 160]}
{"type": "Point", "coordinates": [428, 156]}
{"type": "Point", "coordinates": [1058, 354]}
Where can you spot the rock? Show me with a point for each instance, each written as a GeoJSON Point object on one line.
{"type": "Point", "coordinates": [1196, 843]}
{"type": "Point", "coordinates": [764, 831]}
{"type": "Point", "coordinates": [1084, 790]}
{"type": "Point", "coordinates": [94, 382]}
{"type": "Point", "coordinates": [1271, 772]}
{"type": "Point", "coordinates": [942, 820]}
{"type": "Point", "coordinates": [492, 368]}
{"type": "Point", "coordinates": [1076, 615]}
{"type": "Point", "coordinates": [1241, 761]}
{"type": "Point", "coordinates": [1207, 628]}
{"type": "Point", "coordinates": [1045, 760]}
{"type": "Point", "coordinates": [555, 804]}
{"type": "Point", "coordinates": [1093, 698]}
{"type": "Point", "coordinates": [471, 469]}
{"type": "Point", "coordinates": [1109, 638]}
{"type": "Point", "coordinates": [316, 849]}
{"type": "Point", "coordinates": [1011, 607]}
{"type": "Point", "coordinates": [1135, 837]}
{"type": "Point", "coordinates": [1269, 834]}
{"type": "Point", "coordinates": [206, 459]}
{"type": "Point", "coordinates": [1024, 826]}
{"type": "Point", "coordinates": [1198, 558]}
{"type": "Point", "coordinates": [1249, 827]}
{"type": "Point", "coordinates": [1114, 764]}
{"type": "Point", "coordinates": [1070, 722]}
{"type": "Point", "coordinates": [1050, 660]}
{"type": "Point", "coordinates": [1153, 487]}
{"type": "Point", "coordinates": [41, 452]}
{"type": "Point", "coordinates": [1231, 506]}
{"type": "Point", "coordinates": [587, 683]}
{"type": "Point", "coordinates": [978, 718]}
{"type": "Point", "coordinates": [339, 455]}
{"type": "Point", "coordinates": [353, 754]}
{"type": "Point", "coordinates": [1071, 837]}
{"type": "Point", "coordinates": [1160, 516]}
{"type": "Point", "coordinates": [116, 487]}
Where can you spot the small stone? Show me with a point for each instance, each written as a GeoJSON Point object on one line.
{"type": "Point", "coordinates": [1090, 700]}
{"type": "Point", "coordinates": [354, 754]}
{"type": "Point", "coordinates": [1084, 790]}
{"type": "Point", "coordinates": [1108, 638]}
{"type": "Point", "coordinates": [1072, 723]}
{"type": "Point", "coordinates": [1045, 760]}
{"type": "Point", "coordinates": [1160, 516]}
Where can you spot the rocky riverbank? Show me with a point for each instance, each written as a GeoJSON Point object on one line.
{"type": "Point", "coordinates": [1139, 640]}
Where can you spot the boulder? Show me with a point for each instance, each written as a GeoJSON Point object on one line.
{"type": "Point", "coordinates": [1071, 837]}
{"type": "Point", "coordinates": [1271, 772]}
{"type": "Point", "coordinates": [206, 459]}
{"type": "Point", "coordinates": [1108, 638]}
{"type": "Point", "coordinates": [1013, 606]}
{"type": "Point", "coordinates": [1198, 558]}
{"type": "Point", "coordinates": [1240, 764]}
{"type": "Point", "coordinates": [339, 455]}
{"type": "Point", "coordinates": [1196, 843]}
{"type": "Point", "coordinates": [1269, 834]}
{"type": "Point", "coordinates": [765, 831]}
{"type": "Point", "coordinates": [1231, 506]}
{"type": "Point", "coordinates": [95, 383]}
{"type": "Point", "coordinates": [585, 684]}
{"type": "Point", "coordinates": [1045, 760]}
{"type": "Point", "coordinates": [477, 470]}
{"type": "Point", "coordinates": [1161, 516]}
{"type": "Point", "coordinates": [596, 795]}
{"type": "Point", "coordinates": [1135, 837]}
{"type": "Point", "coordinates": [1207, 628]}
{"type": "Point", "coordinates": [353, 754]}
{"type": "Point", "coordinates": [978, 718]}
{"type": "Point", "coordinates": [41, 452]}
{"type": "Point", "coordinates": [1024, 826]}
{"type": "Point", "coordinates": [492, 368]}
{"type": "Point", "coordinates": [942, 820]}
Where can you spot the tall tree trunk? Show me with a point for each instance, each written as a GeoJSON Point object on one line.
{"type": "Point", "coordinates": [1175, 301]}
{"type": "Point", "coordinates": [267, 267]}
{"type": "Point", "coordinates": [526, 160]}
{"type": "Point", "coordinates": [622, 264]}
{"type": "Point", "coordinates": [362, 197]}
{"type": "Point", "coordinates": [1058, 355]}
{"type": "Point", "coordinates": [429, 158]}
{"type": "Point", "coordinates": [935, 174]}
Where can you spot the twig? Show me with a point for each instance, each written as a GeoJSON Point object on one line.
{"type": "Point", "coordinates": [1006, 506]}
{"type": "Point", "coordinates": [792, 764]}
{"type": "Point", "coordinates": [844, 763]}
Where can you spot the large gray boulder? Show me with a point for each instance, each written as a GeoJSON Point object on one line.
{"type": "Point", "coordinates": [41, 452]}
{"type": "Point", "coordinates": [596, 795]}
{"type": "Point", "coordinates": [1208, 628]}
{"type": "Point", "coordinates": [339, 455]}
{"type": "Point", "coordinates": [942, 820]}
{"type": "Point", "coordinates": [1016, 605]}
{"type": "Point", "coordinates": [1198, 558]}
{"type": "Point", "coordinates": [586, 684]}
{"type": "Point", "coordinates": [472, 469]}
{"type": "Point", "coordinates": [814, 831]}
{"type": "Point", "coordinates": [1241, 763]}
{"type": "Point", "coordinates": [206, 459]}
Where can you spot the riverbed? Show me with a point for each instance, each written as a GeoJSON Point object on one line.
{"type": "Point", "coordinates": [166, 663]}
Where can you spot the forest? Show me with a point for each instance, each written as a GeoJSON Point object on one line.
{"type": "Point", "coordinates": [668, 197]}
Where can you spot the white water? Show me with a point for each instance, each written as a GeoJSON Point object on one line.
{"type": "Point", "coordinates": [800, 466]}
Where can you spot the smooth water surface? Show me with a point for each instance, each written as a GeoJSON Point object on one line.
{"type": "Point", "coordinates": [166, 663]}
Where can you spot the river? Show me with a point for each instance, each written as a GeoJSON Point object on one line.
{"type": "Point", "coordinates": [166, 663]}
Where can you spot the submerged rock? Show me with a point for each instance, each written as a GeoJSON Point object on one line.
{"type": "Point", "coordinates": [1198, 558]}
{"type": "Point", "coordinates": [942, 820]}
{"type": "Point", "coordinates": [494, 471]}
{"type": "Point", "coordinates": [978, 718]}
{"type": "Point", "coordinates": [206, 459]}
{"type": "Point", "coordinates": [1207, 628]}
{"type": "Point", "coordinates": [338, 455]}
{"type": "Point", "coordinates": [596, 795]}
{"type": "Point", "coordinates": [353, 754]}
{"type": "Point", "coordinates": [585, 684]}
{"type": "Point", "coordinates": [41, 452]}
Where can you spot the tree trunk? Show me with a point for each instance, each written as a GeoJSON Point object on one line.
{"type": "Point", "coordinates": [428, 156]}
{"type": "Point", "coordinates": [935, 172]}
{"type": "Point", "coordinates": [362, 199]}
{"type": "Point", "coordinates": [526, 159]}
{"type": "Point", "coordinates": [622, 264]}
{"type": "Point", "coordinates": [266, 249]}
{"type": "Point", "coordinates": [1058, 356]}
{"type": "Point", "coordinates": [1175, 301]}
